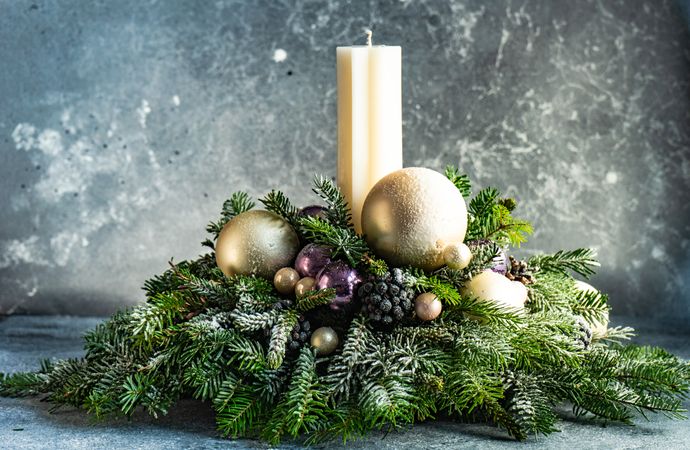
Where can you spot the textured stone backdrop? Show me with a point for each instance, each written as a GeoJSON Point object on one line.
{"type": "Point", "coordinates": [124, 125]}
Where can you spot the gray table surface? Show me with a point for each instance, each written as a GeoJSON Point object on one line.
{"type": "Point", "coordinates": [26, 423]}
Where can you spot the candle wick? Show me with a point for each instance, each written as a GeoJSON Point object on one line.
{"type": "Point", "coordinates": [368, 33]}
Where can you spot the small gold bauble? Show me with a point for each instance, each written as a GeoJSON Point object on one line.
{"type": "Point", "coordinates": [285, 280]}
{"type": "Point", "coordinates": [411, 215]}
{"type": "Point", "coordinates": [324, 340]}
{"type": "Point", "coordinates": [304, 285]}
{"type": "Point", "coordinates": [427, 306]}
{"type": "Point", "coordinates": [599, 328]}
{"type": "Point", "coordinates": [256, 242]}
{"type": "Point", "coordinates": [457, 256]}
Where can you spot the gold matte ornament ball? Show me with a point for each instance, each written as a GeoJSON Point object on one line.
{"type": "Point", "coordinates": [457, 256]}
{"type": "Point", "coordinates": [427, 306]}
{"type": "Point", "coordinates": [256, 242]}
{"type": "Point", "coordinates": [324, 340]}
{"type": "Point", "coordinates": [285, 280]}
{"type": "Point", "coordinates": [411, 215]}
{"type": "Point", "coordinates": [304, 285]}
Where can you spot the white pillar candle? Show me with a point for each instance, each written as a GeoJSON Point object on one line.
{"type": "Point", "coordinates": [369, 119]}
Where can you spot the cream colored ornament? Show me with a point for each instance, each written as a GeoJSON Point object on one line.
{"type": "Point", "coordinates": [457, 256]}
{"type": "Point", "coordinates": [324, 340]}
{"type": "Point", "coordinates": [285, 280]}
{"type": "Point", "coordinates": [494, 287]}
{"type": "Point", "coordinates": [599, 328]}
{"type": "Point", "coordinates": [427, 306]}
{"type": "Point", "coordinates": [411, 215]}
{"type": "Point", "coordinates": [304, 285]}
{"type": "Point", "coordinates": [256, 242]}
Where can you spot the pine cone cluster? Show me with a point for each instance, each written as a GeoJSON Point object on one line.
{"type": "Point", "coordinates": [519, 271]}
{"type": "Point", "coordinates": [300, 333]}
{"type": "Point", "coordinates": [386, 299]}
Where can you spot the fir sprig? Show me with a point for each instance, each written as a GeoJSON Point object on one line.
{"type": "Point", "coordinates": [338, 213]}
{"type": "Point", "coordinates": [461, 181]}
{"type": "Point", "coordinates": [277, 202]}
{"type": "Point", "coordinates": [581, 260]}
{"type": "Point", "coordinates": [344, 242]}
{"type": "Point", "coordinates": [238, 203]}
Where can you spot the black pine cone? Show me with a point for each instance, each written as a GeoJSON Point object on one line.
{"type": "Point", "coordinates": [519, 271]}
{"type": "Point", "coordinates": [385, 299]}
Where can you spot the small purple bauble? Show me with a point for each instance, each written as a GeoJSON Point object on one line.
{"type": "Point", "coordinates": [313, 211]}
{"type": "Point", "coordinates": [311, 259]}
{"type": "Point", "coordinates": [341, 277]}
{"type": "Point", "coordinates": [500, 263]}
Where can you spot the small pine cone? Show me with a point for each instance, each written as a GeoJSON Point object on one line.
{"type": "Point", "coordinates": [385, 299]}
{"type": "Point", "coordinates": [519, 271]}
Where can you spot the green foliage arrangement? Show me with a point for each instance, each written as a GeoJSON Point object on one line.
{"type": "Point", "coordinates": [218, 339]}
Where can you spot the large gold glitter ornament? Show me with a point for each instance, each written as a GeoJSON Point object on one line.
{"type": "Point", "coordinates": [411, 215]}
{"type": "Point", "coordinates": [256, 242]}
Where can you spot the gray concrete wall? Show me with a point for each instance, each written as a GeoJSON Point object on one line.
{"type": "Point", "coordinates": [124, 125]}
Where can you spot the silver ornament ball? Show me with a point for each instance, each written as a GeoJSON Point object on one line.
{"type": "Point", "coordinates": [256, 242]}
{"type": "Point", "coordinates": [411, 215]}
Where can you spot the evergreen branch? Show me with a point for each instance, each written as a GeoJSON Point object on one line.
{"type": "Point", "coordinates": [461, 181]}
{"type": "Point", "coordinates": [581, 260]}
{"type": "Point", "coordinates": [375, 266]}
{"type": "Point", "coordinates": [342, 377]}
{"type": "Point", "coordinates": [490, 217]}
{"type": "Point", "coordinates": [278, 203]}
{"type": "Point", "coordinates": [279, 336]}
{"type": "Point", "coordinates": [238, 203]}
{"type": "Point", "coordinates": [344, 242]}
{"type": "Point", "coordinates": [338, 213]}
{"type": "Point", "coordinates": [254, 321]}
{"type": "Point", "coordinates": [591, 306]}
{"type": "Point", "coordinates": [485, 312]}
{"type": "Point", "coordinates": [420, 282]}
{"type": "Point", "coordinates": [237, 408]}
{"type": "Point", "coordinates": [22, 384]}
{"type": "Point", "coordinates": [303, 408]}
{"type": "Point", "coordinates": [313, 299]}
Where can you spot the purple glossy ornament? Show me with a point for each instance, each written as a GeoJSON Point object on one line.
{"type": "Point", "coordinates": [341, 277]}
{"type": "Point", "coordinates": [311, 259]}
{"type": "Point", "coordinates": [313, 211]}
{"type": "Point", "coordinates": [500, 263]}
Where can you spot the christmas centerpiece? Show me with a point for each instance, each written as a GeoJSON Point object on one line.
{"type": "Point", "coordinates": [393, 301]}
